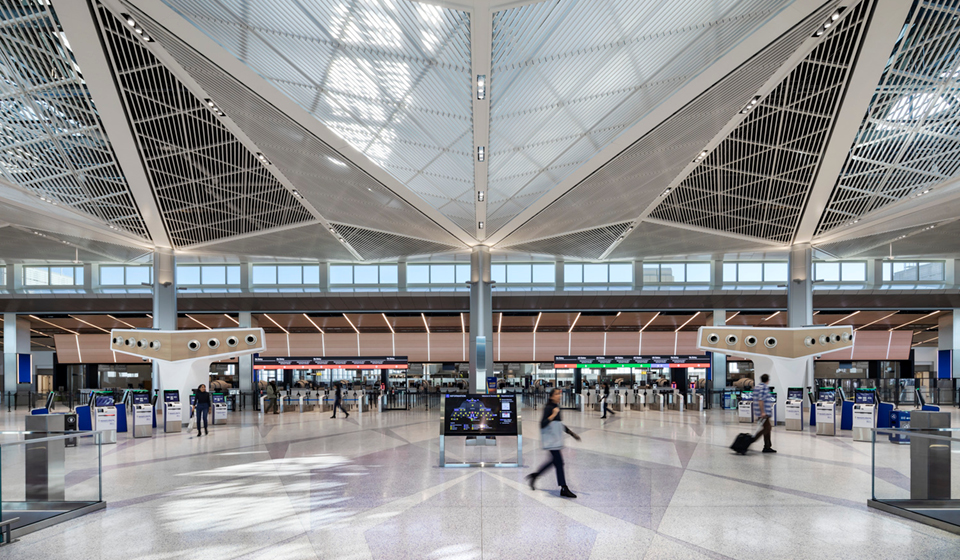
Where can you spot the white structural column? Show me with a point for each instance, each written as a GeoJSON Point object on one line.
{"type": "Point", "coordinates": [245, 362]}
{"type": "Point", "coordinates": [949, 339]}
{"type": "Point", "coordinates": [800, 298]}
{"type": "Point", "coordinates": [16, 340]}
{"type": "Point", "coordinates": [718, 361]}
{"type": "Point", "coordinates": [481, 319]}
{"type": "Point", "coordinates": [164, 298]}
{"type": "Point", "coordinates": [481, 43]}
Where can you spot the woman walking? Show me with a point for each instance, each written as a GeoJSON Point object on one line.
{"type": "Point", "coordinates": [551, 437]}
{"type": "Point", "coordinates": [201, 408]}
{"type": "Point", "coordinates": [338, 403]}
{"type": "Point", "coordinates": [604, 399]}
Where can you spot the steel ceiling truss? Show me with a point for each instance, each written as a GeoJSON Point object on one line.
{"type": "Point", "coordinates": [910, 139]}
{"type": "Point", "coordinates": [392, 78]}
{"type": "Point", "coordinates": [208, 184]}
{"type": "Point", "coordinates": [52, 142]}
{"type": "Point", "coordinates": [568, 77]}
{"type": "Point", "coordinates": [757, 180]}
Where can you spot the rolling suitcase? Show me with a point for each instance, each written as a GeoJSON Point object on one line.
{"type": "Point", "coordinates": [743, 440]}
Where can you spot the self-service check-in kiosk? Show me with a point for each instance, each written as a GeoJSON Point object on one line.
{"type": "Point", "coordinates": [105, 416]}
{"type": "Point", "coordinates": [142, 414]}
{"type": "Point", "coordinates": [826, 411]}
{"type": "Point", "coordinates": [794, 409]}
{"type": "Point", "coordinates": [172, 411]}
{"type": "Point", "coordinates": [864, 413]}
{"type": "Point", "coordinates": [745, 408]}
{"type": "Point", "coordinates": [219, 408]}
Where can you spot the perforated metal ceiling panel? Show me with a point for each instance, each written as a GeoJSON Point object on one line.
{"type": "Point", "coordinates": [942, 241]}
{"type": "Point", "coordinates": [756, 181]}
{"type": "Point", "coordinates": [586, 244]}
{"type": "Point", "coordinates": [209, 185]}
{"type": "Point", "coordinates": [335, 186]}
{"type": "Point", "coordinates": [653, 240]}
{"type": "Point", "coordinates": [311, 241]}
{"type": "Point", "coordinates": [52, 141]}
{"type": "Point", "coordinates": [373, 245]}
{"type": "Point", "coordinates": [570, 75]}
{"type": "Point", "coordinates": [21, 244]}
{"type": "Point", "coordinates": [391, 78]}
{"type": "Point", "coordinates": [626, 186]}
{"type": "Point", "coordinates": [910, 138]}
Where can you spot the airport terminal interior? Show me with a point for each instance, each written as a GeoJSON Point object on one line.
{"type": "Point", "coordinates": [480, 279]}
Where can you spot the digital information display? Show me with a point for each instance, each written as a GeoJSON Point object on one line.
{"type": "Point", "coordinates": [103, 400]}
{"type": "Point", "coordinates": [864, 396]}
{"type": "Point", "coordinates": [141, 398]}
{"type": "Point", "coordinates": [795, 393]}
{"type": "Point", "coordinates": [827, 394]}
{"type": "Point", "coordinates": [376, 362]}
{"type": "Point", "coordinates": [480, 415]}
{"type": "Point", "coordinates": [598, 362]}
{"type": "Point", "coordinates": [218, 398]}
{"type": "Point", "coordinates": [171, 396]}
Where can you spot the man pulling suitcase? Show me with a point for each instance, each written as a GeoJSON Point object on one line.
{"type": "Point", "coordinates": [761, 408]}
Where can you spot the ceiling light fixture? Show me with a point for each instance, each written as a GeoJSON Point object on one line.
{"type": "Point", "coordinates": [877, 321]}
{"type": "Point", "coordinates": [121, 321]}
{"type": "Point", "coordinates": [314, 324]}
{"type": "Point", "coordinates": [198, 322]}
{"type": "Point", "coordinates": [699, 157]}
{"type": "Point", "coordinates": [480, 196]}
{"type": "Point", "coordinates": [228, 316]}
{"type": "Point", "coordinates": [665, 192]}
{"type": "Point", "coordinates": [387, 321]}
{"type": "Point", "coordinates": [751, 105]}
{"type": "Point", "coordinates": [914, 321]}
{"type": "Point", "coordinates": [500, 323]}
{"type": "Point", "coordinates": [577, 318]}
{"type": "Point", "coordinates": [213, 107]}
{"type": "Point", "coordinates": [775, 313]}
{"type": "Point", "coordinates": [480, 153]}
{"type": "Point", "coordinates": [351, 323]}
{"type": "Point", "coordinates": [263, 159]}
{"type": "Point", "coordinates": [276, 323]}
{"type": "Point", "coordinates": [650, 321]}
{"type": "Point", "coordinates": [537, 324]}
{"type": "Point", "coordinates": [53, 324]}
{"type": "Point", "coordinates": [481, 86]}
{"type": "Point", "coordinates": [687, 322]}
{"type": "Point", "coordinates": [297, 194]}
{"type": "Point", "coordinates": [425, 325]}
{"type": "Point", "coordinates": [829, 22]}
{"type": "Point", "coordinates": [463, 325]}
{"type": "Point", "coordinates": [90, 324]}
{"type": "Point", "coordinates": [843, 319]}
{"type": "Point", "coordinates": [479, 225]}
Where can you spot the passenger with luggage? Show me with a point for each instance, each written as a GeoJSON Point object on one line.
{"type": "Point", "coordinates": [761, 411]}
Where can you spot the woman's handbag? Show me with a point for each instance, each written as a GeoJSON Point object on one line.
{"type": "Point", "coordinates": [551, 437]}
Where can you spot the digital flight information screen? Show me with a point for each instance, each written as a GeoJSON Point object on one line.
{"type": "Point", "coordinates": [480, 415]}
{"type": "Point", "coordinates": [864, 397]}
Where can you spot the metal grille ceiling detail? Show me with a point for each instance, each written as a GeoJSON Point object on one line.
{"type": "Point", "coordinates": [658, 240]}
{"type": "Point", "coordinates": [587, 244]}
{"type": "Point", "coordinates": [52, 141]}
{"type": "Point", "coordinates": [37, 245]}
{"type": "Point", "coordinates": [373, 245]}
{"type": "Point", "coordinates": [898, 238]}
{"type": "Point", "coordinates": [626, 186]}
{"type": "Point", "coordinates": [391, 78]}
{"type": "Point", "coordinates": [309, 241]}
{"type": "Point", "coordinates": [209, 185]}
{"type": "Point", "coordinates": [569, 76]}
{"type": "Point", "coordinates": [910, 138]}
{"type": "Point", "coordinates": [757, 180]}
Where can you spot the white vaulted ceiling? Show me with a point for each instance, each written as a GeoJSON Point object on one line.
{"type": "Point", "coordinates": [609, 128]}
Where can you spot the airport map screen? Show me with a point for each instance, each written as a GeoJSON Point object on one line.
{"type": "Point", "coordinates": [480, 415]}
{"type": "Point", "coordinates": [864, 397]}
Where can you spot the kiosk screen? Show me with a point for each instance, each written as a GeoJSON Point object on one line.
{"type": "Point", "coordinates": [141, 398]}
{"type": "Point", "coordinates": [218, 398]}
{"type": "Point", "coordinates": [827, 394]}
{"type": "Point", "coordinates": [103, 400]}
{"type": "Point", "coordinates": [480, 415]}
{"type": "Point", "coordinates": [795, 394]}
{"type": "Point", "coordinates": [864, 397]}
{"type": "Point", "coordinates": [171, 396]}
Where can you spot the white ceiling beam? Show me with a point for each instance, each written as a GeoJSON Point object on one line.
{"type": "Point", "coordinates": [80, 27]}
{"type": "Point", "coordinates": [882, 32]}
{"type": "Point", "coordinates": [766, 34]}
{"type": "Point", "coordinates": [215, 53]}
{"type": "Point", "coordinates": [481, 38]}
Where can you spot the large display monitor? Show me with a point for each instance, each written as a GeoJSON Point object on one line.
{"type": "Point", "coordinates": [480, 415]}
{"type": "Point", "coordinates": [864, 396]}
{"type": "Point", "coordinates": [795, 393]}
{"type": "Point", "coordinates": [827, 394]}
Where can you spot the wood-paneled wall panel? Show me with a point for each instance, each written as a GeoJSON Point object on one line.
{"type": "Point", "coordinates": [549, 345]}
{"type": "Point", "coordinates": [586, 343]}
{"type": "Point", "coordinates": [447, 347]}
{"type": "Point", "coordinates": [516, 347]}
{"type": "Point", "coordinates": [412, 345]}
{"type": "Point", "coordinates": [376, 344]}
{"type": "Point", "coordinates": [622, 343]}
{"type": "Point", "coordinates": [657, 343]}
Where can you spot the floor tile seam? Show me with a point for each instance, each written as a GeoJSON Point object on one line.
{"type": "Point", "coordinates": [842, 502]}
{"type": "Point", "coordinates": [702, 550]}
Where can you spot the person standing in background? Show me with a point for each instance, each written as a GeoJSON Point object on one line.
{"type": "Point", "coordinates": [272, 398]}
{"type": "Point", "coordinates": [201, 408]}
{"type": "Point", "coordinates": [761, 409]}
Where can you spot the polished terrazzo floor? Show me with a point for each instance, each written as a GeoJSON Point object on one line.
{"type": "Point", "coordinates": [650, 485]}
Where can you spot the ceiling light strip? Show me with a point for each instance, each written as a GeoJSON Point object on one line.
{"type": "Point", "coordinates": [197, 321]}
{"type": "Point", "coordinates": [351, 323]}
{"type": "Point", "coordinates": [90, 324]}
{"type": "Point", "coordinates": [650, 321]}
{"type": "Point", "coordinates": [269, 318]}
{"type": "Point", "coordinates": [914, 321]}
{"type": "Point", "coordinates": [53, 325]}
{"type": "Point", "coordinates": [877, 321]}
{"type": "Point", "coordinates": [312, 323]}
{"type": "Point", "coordinates": [843, 319]}
{"type": "Point", "coordinates": [577, 318]}
{"type": "Point", "coordinates": [695, 315]}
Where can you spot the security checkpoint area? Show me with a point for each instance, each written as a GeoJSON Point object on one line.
{"type": "Point", "coordinates": [479, 279]}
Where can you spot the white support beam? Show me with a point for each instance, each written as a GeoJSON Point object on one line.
{"type": "Point", "coordinates": [768, 33]}
{"type": "Point", "coordinates": [481, 38]}
{"type": "Point", "coordinates": [882, 33]}
{"type": "Point", "coordinates": [80, 27]}
{"type": "Point", "coordinates": [215, 53]}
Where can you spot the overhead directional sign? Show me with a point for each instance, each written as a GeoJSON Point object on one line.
{"type": "Point", "coordinates": [364, 362]}
{"type": "Point", "coordinates": [603, 362]}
